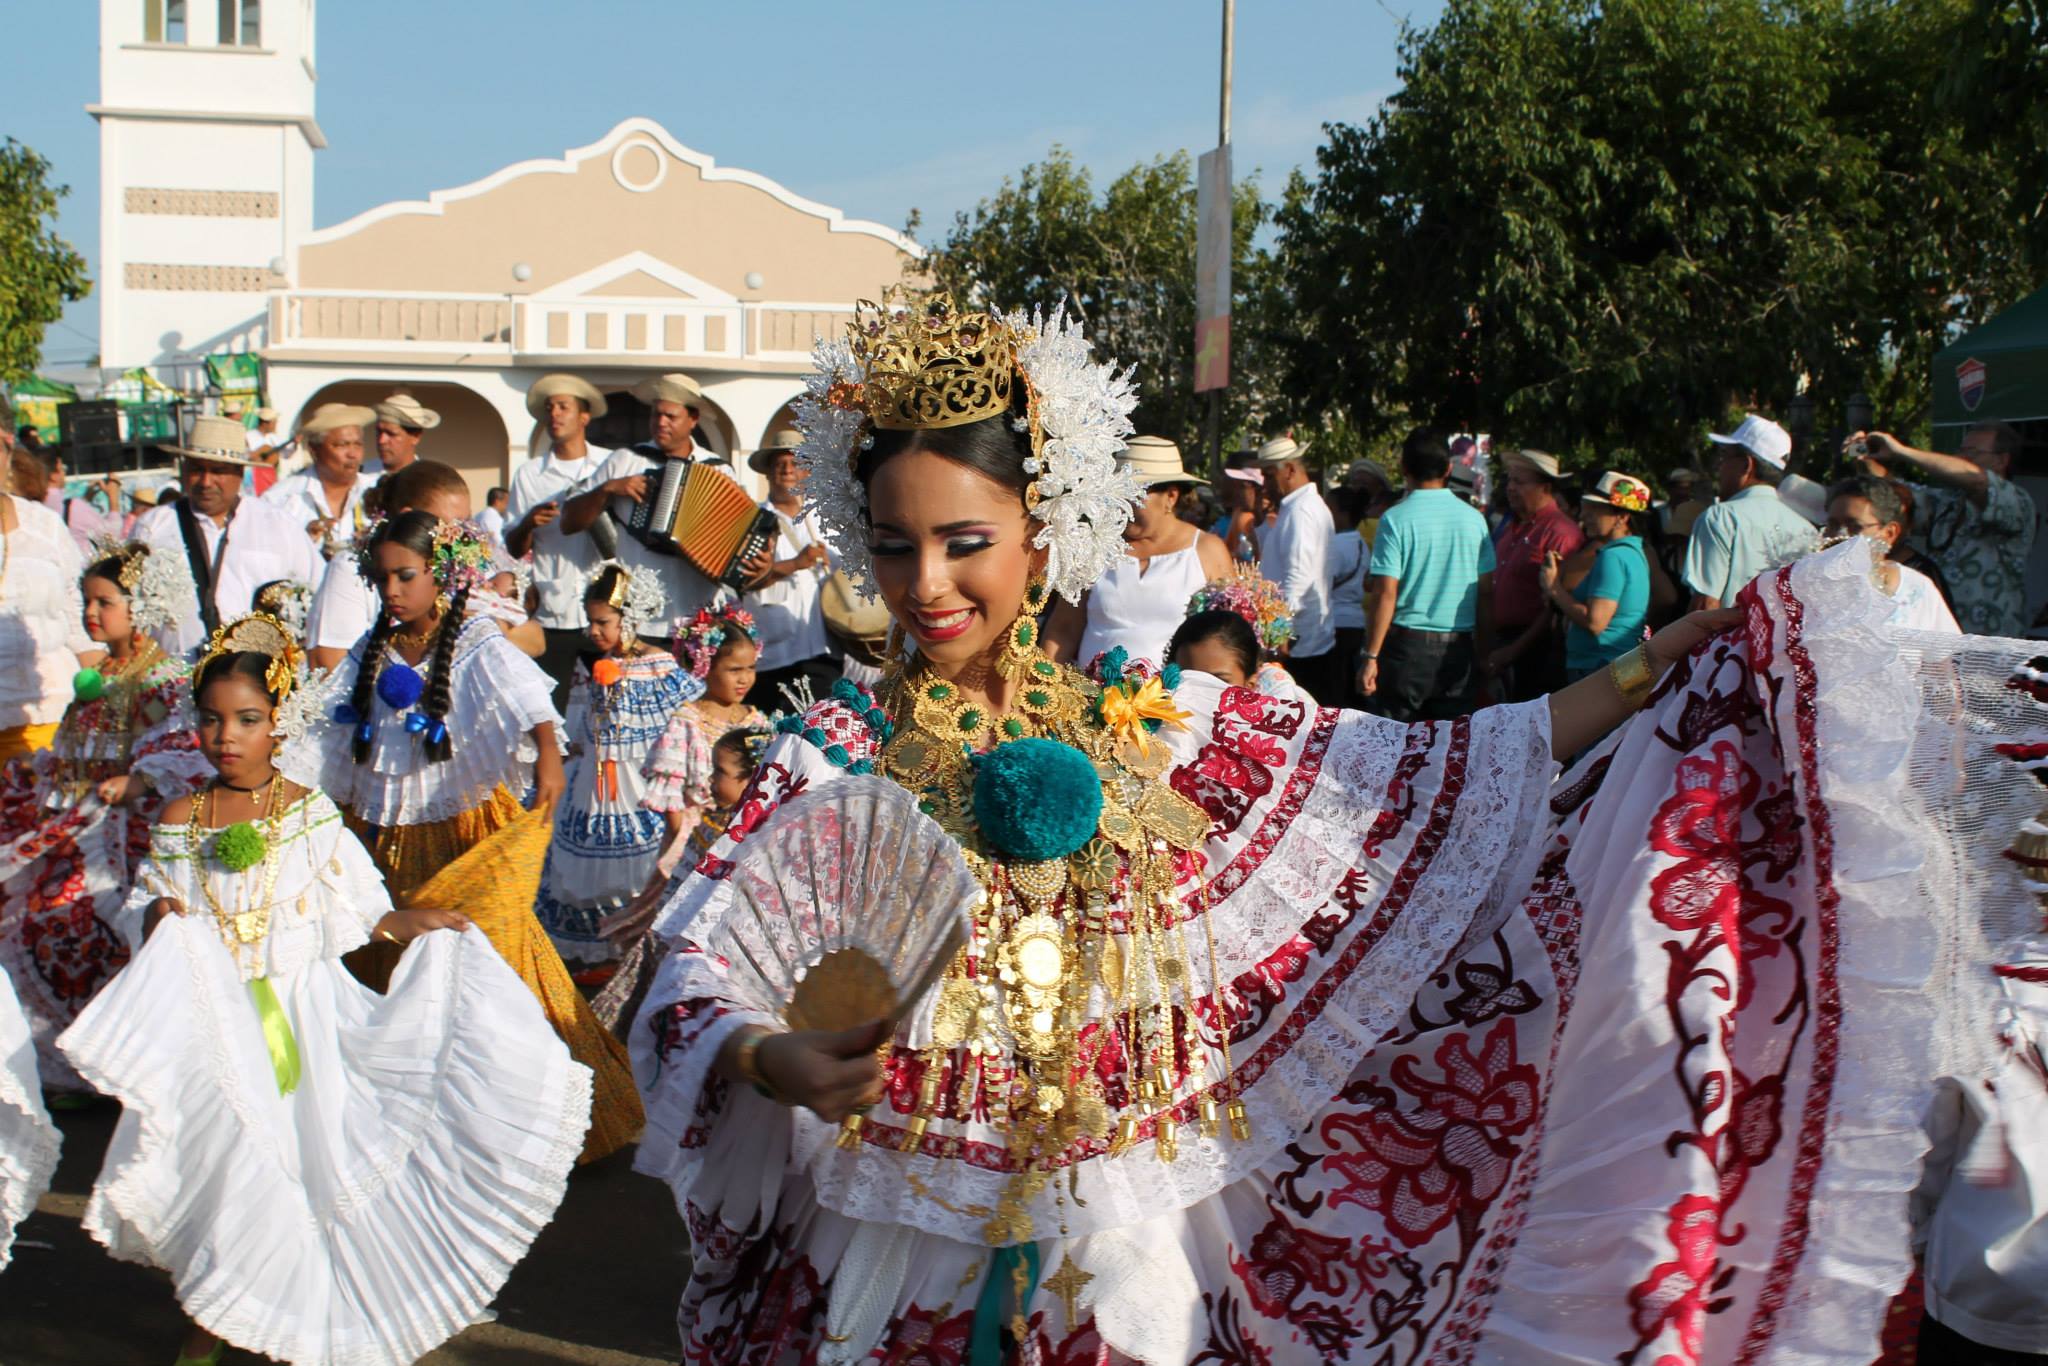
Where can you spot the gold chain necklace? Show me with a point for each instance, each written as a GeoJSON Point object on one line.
{"type": "Point", "coordinates": [1017, 1025]}
{"type": "Point", "coordinates": [242, 931]}
{"type": "Point", "coordinates": [112, 713]}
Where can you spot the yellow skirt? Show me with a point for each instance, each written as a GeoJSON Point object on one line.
{"type": "Point", "coordinates": [486, 864]}
{"type": "Point", "coordinates": [18, 742]}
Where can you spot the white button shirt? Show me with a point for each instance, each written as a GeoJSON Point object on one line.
{"type": "Point", "coordinates": [303, 496]}
{"type": "Point", "coordinates": [1296, 555]}
{"type": "Point", "coordinates": [560, 563]}
{"type": "Point", "coordinates": [264, 543]}
{"type": "Point", "coordinates": [788, 613]}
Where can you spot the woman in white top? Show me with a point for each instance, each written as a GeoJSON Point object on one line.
{"type": "Point", "coordinates": [42, 623]}
{"type": "Point", "coordinates": [1141, 600]}
{"type": "Point", "coordinates": [1869, 506]}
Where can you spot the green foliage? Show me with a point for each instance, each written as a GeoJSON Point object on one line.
{"type": "Point", "coordinates": [1598, 227]}
{"type": "Point", "coordinates": [1125, 260]}
{"type": "Point", "coordinates": [39, 272]}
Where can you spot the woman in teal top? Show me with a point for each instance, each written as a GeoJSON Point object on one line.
{"type": "Point", "coordinates": [1605, 614]}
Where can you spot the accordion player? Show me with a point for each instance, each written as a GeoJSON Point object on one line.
{"type": "Point", "coordinates": [697, 511]}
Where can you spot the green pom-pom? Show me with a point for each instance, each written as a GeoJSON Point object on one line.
{"type": "Point", "coordinates": [240, 847]}
{"type": "Point", "coordinates": [88, 684]}
{"type": "Point", "coordinates": [1036, 799]}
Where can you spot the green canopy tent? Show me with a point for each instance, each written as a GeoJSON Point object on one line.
{"type": "Point", "coordinates": [1997, 373]}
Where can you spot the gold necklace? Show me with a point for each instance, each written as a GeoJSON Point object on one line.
{"type": "Point", "coordinates": [1053, 937]}
{"type": "Point", "coordinates": [242, 931]}
{"type": "Point", "coordinates": [414, 640]}
{"type": "Point", "coordinates": [111, 713]}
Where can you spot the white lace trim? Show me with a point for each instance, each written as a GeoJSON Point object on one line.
{"type": "Point", "coordinates": [496, 698]}
{"type": "Point", "coordinates": [29, 1142]}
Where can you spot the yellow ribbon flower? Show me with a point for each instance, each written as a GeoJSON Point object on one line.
{"type": "Point", "coordinates": [1126, 713]}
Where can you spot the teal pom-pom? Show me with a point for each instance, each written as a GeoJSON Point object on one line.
{"type": "Point", "coordinates": [837, 755]}
{"type": "Point", "coordinates": [790, 725]}
{"type": "Point", "coordinates": [1036, 799]}
{"type": "Point", "coordinates": [1169, 677]}
{"type": "Point", "coordinates": [861, 766]}
{"type": "Point", "coordinates": [88, 684]}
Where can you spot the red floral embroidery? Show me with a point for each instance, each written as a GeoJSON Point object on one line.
{"type": "Point", "coordinates": [1444, 1150]}
{"type": "Point", "coordinates": [1676, 1292]}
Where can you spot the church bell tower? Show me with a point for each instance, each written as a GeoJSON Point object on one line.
{"type": "Point", "coordinates": [207, 138]}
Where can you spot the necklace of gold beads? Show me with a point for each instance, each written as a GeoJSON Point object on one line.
{"type": "Point", "coordinates": [111, 714]}
{"type": "Point", "coordinates": [242, 931]}
{"type": "Point", "coordinates": [1072, 1016]}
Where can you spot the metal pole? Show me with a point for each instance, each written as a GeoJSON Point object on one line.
{"type": "Point", "coordinates": [1215, 417]}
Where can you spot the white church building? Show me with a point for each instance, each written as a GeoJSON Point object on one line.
{"type": "Point", "coordinates": [625, 258]}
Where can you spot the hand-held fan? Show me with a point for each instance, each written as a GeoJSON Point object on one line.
{"type": "Point", "coordinates": [848, 905]}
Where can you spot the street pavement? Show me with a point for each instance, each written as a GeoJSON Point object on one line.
{"type": "Point", "coordinates": [598, 1288]}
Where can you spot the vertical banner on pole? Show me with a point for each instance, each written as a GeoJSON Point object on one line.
{"type": "Point", "coordinates": [1212, 270]}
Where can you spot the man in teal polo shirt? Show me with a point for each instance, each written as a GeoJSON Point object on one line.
{"type": "Point", "coordinates": [1429, 597]}
{"type": "Point", "coordinates": [1751, 529]}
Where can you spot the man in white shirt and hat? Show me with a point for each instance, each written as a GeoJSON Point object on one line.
{"type": "Point", "coordinates": [1295, 554]}
{"type": "Point", "coordinates": [786, 596]}
{"type": "Point", "coordinates": [561, 562]}
{"type": "Point", "coordinates": [327, 497]}
{"type": "Point", "coordinates": [401, 420]}
{"type": "Point", "coordinates": [1751, 529]}
{"type": "Point", "coordinates": [629, 476]}
{"type": "Point", "coordinates": [233, 544]}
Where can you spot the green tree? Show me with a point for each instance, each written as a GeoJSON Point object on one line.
{"type": "Point", "coordinates": [1124, 259]}
{"type": "Point", "coordinates": [39, 272]}
{"type": "Point", "coordinates": [1597, 227]}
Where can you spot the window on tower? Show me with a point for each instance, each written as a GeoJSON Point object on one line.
{"type": "Point", "coordinates": [241, 23]}
{"type": "Point", "coordinates": [163, 21]}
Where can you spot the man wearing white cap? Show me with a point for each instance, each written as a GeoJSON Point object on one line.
{"type": "Point", "coordinates": [401, 420]}
{"type": "Point", "coordinates": [234, 545]}
{"type": "Point", "coordinates": [561, 562]}
{"type": "Point", "coordinates": [328, 498]}
{"type": "Point", "coordinates": [1751, 529]}
{"type": "Point", "coordinates": [1296, 555]}
{"type": "Point", "coordinates": [625, 478]}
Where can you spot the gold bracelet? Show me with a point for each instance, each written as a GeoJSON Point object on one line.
{"type": "Point", "coordinates": [386, 934]}
{"type": "Point", "coordinates": [746, 1061]}
{"type": "Point", "coordinates": [1632, 677]}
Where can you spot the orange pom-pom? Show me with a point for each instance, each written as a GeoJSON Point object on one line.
{"type": "Point", "coordinates": [606, 672]}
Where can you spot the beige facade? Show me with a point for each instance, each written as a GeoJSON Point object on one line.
{"type": "Point", "coordinates": [628, 257]}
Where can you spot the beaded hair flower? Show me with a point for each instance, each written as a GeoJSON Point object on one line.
{"type": "Point", "coordinates": [1255, 598]}
{"type": "Point", "coordinates": [159, 586]}
{"type": "Point", "coordinates": [700, 639]}
{"type": "Point", "coordinates": [461, 558]}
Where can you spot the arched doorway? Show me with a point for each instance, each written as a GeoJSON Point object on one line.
{"type": "Point", "coordinates": [471, 436]}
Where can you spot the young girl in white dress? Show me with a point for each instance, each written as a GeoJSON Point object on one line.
{"type": "Point", "coordinates": [605, 844]}
{"type": "Point", "coordinates": [328, 1174]}
{"type": "Point", "coordinates": [28, 1141]}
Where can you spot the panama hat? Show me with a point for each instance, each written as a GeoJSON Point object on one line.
{"type": "Point", "coordinates": [1543, 462]}
{"type": "Point", "coordinates": [1280, 450]}
{"type": "Point", "coordinates": [786, 440]}
{"type": "Point", "coordinates": [407, 411]}
{"type": "Point", "coordinates": [330, 416]}
{"type": "Point", "coordinates": [674, 387]}
{"type": "Point", "coordinates": [1157, 461]}
{"type": "Point", "coordinates": [1621, 491]}
{"type": "Point", "coordinates": [547, 386]}
{"type": "Point", "coordinates": [218, 439]}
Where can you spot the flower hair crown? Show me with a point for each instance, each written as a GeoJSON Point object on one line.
{"type": "Point", "coordinates": [920, 364]}
{"type": "Point", "coordinates": [1254, 597]}
{"type": "Point", "coordinates": [700, 639]}
{"type": "Point", "coordinates": [159, 586]}
{"type": "Point", "coordinates": [460, 556]}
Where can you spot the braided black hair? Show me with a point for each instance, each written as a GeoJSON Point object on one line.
{"type": "Point", "coordinates": [438, 745]}
{"type": "Point", "coordinates": [413, 531]}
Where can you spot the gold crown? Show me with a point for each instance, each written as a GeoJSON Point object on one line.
{"type": "Point", "coordinates": [927, 365]}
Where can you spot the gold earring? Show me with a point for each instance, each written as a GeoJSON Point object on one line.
{"type": "Point", "coordinates": [1036, 592]}
{"type": "Point", "coordinates": [442, 602]}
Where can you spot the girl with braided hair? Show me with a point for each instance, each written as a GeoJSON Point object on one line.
{"type": "Point", "coordinates": [74, 818]}
{"type": "Point", "coordinates": [428, 735]}
{"type": "Point", "coordinates": [720, 646]}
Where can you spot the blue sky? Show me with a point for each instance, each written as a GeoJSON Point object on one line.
{"type": "Point", "coordinates": [875, 109]}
